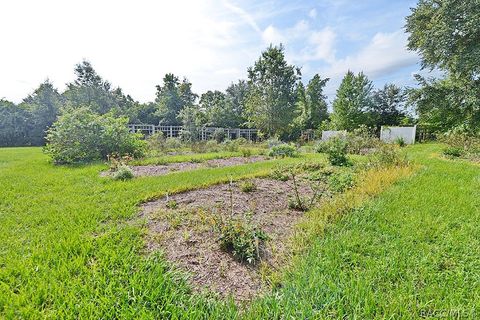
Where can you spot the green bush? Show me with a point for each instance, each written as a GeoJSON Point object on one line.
{"type": "Point", "coordinates": [246, 152]}
{"type": "Point", "coordinates": [283, 150]}
{"type": "Point", "coordinates": [341, 181]}
{"type": "Point", "coordinates": [462, 143]}
{"type": "Point", "coordinates": [242, 239]}
{"type": "Point", "coordinates": [79, 135]}
{"type": "Point", "coordinates": [156, 143]}
{"type": "Point", "coordinates": [336, 150]}
{"type": "Point", "coordinates": [388, 155]}
{"type": "Point", "coordinates": [360, 140]}
{"type": "Point", "coordinates": [454, 152]}
{"type": "Point", "coordinates": [230, 145]}
{"type": "Point", "coordinates": [123, 172]}
{"type": "Point", "coordinates": [173, 143]}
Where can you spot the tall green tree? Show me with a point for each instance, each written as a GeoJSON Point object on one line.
{"type": "Point", "coordinates": [303, 112]}
{"type": "Point", "coordinates": [388, 107]}
{"type": "Point", "coordinates": [15, 125]}
{"type": "Point", "coordinates": [89, 89]}
{"type": "Point", "coordinates": [443, 104]}
{"type": "Point", "coordinates": [316, 102]}
{"type": "Point", "coordinates": [446, 34]}
{"type": "Point", "coordinates": [352, 102]}
{"type": "Point", "coordinates": [271, 101]}
{"type": "Point", "coordinates": [172, 97]}
{"type": "Point", "coordinates": [236, 97]}
{"type": "Point", "coordinates": [44, 105]}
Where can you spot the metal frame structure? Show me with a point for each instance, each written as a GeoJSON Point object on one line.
{"type": "Point", "coordinates": [204, 133]}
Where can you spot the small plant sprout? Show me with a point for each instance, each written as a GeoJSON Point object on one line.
{"type": "Point", "coordinates": [248, 186]}
{"type": "Point", "coordinates": [171, 204]}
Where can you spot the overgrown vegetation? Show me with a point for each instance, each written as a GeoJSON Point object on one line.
{"type": "Point", "coordinates": [336, 150]}
{"type": "Point", "coordinates": [283, 150]}
{"type": "Point", "coordinates": [462, 143]}
{"type": "Point", "coordinates": [80, 135]}
{"type": "Point", "coordinates": [240, 237]}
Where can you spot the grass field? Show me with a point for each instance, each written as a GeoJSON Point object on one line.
{"type": "Point", "coordinates": [69, 251]}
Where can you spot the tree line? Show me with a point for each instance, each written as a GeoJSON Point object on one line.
{"type": "Point", "coordinates": [276, 100]}
{"type": "Point", "coordinates": [273, 99]}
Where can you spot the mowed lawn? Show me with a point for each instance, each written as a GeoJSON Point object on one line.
{"type": "Point", "coordinates": [69, 248]}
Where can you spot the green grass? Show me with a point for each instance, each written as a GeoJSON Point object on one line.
{"type": "Point", "coordinates": [69, 249]}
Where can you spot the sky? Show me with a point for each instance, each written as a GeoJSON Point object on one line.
{"type": "Point", "coordinates": [132, 44]}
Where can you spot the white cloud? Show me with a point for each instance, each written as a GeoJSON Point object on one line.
{"type": "Point", "coordinates": [312, 13]}
{"type": "Point", "coordinates": [272, 35]}
{"type": "Point", "coordinates": [385, 53]}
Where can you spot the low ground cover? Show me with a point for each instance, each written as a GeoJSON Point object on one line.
{"type": "Point", "coordinates": [70, 247]}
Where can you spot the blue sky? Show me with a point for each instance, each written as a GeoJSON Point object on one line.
{"type": "Point", "coordinates": [211, 42]}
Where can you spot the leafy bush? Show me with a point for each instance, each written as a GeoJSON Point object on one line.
{"type": "Point", "coordinates": [246, 152]}
{"type": "Point", "coordinates": [273, 142]}
{"type": "Point", "coordinates": [336, 150]}
{"type": "Point", "coordinates": [156, 142]}
{"type": "Point", "coordinates": [230, 145]}
{"type": "Point", "coordinates": [186, 135]}
{"type": "Point", "coordinates": [173, 143]}
{"type": "Point", "coordinates": [360, 140]}
{"type": "Point", "coordinates": [454, 152]}
{"type": "Point", "coordinates": [248, 186]}
{"type": "Point", "coordinates": [123, 172]}
{"type": "Point", "coordinates": [388, 155]}
{"type": "Point", "coordinates": [283, 150]}
{"type": "Point", "coordinates": [462, 143]}
{"type": "Point", "coordinates": [219, 135]}
{"type": "Point", "coordinates": [341, 181]}
{"type": "Point", "coordinates": [212, 146]}
{"type": "Point", "coordinates": [242, 239]}
{"type": "Point", "coordinates": [79, 135]}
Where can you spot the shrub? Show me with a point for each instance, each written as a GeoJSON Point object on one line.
{"type": "Point", "coordinates": [156, 142]}
{"type": "Point", "coordinates": [219, 135]}
{"type": "Point", "coordinates": [273, 142]}
{"type": "Point", "coordinates": [283, 150]}
{"type": "Point", "coordinates": [400, 141]}
{"type": "Point", "coordinates": [248, 186]}
{"type": "Point", "coordinates": [186, 136]}
{"type": "Point", "coordinates": [79, 135]}
{"type": "Point", "coordinates": [230, 145]}
{"type": "Point", "coordinates": [242, 239]}
{"type": "Point", "coordinates": [173, 143]}
{"type": "Point", "coordinates": [462, 142]}
{"type": "Point", "coordinates": [123, 172]}
{"type": "Point", "coordinates": [341, 181]}
{"type": "Point", "coordinates": [388, 155]}
{"type": "Point", "coordinates": [242, 141]}
{"type": "Point", "coordinates": [453, 152]}
{"type": "Point", "coordinates": [336, 150]}
{"type": "Point", "coordinates": [246, 152]}
{"type": "Point", "coordinates": [212, 146]}
{"type": "Point", "coordinates": [361, 140]}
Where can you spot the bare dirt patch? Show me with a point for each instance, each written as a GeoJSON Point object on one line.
{"type": "Point", "coordinates": [182, 226]}
{"type": "Point", "coordinates": [160, 170]}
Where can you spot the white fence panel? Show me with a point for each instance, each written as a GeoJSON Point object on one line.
{"type": "Point", "coordinates": [390, 134]}
{"type": "Point", "coordinates": [331, 133]}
